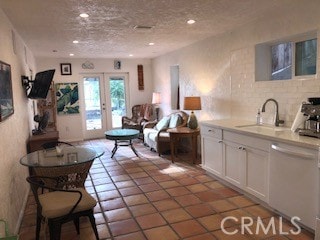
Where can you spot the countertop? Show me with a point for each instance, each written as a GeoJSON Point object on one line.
{"type": "Point", "coordinates": [279, 134]}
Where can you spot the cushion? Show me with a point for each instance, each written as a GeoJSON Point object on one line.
{"type": "Point", "coordinates": [163, 123]}
{"type": "Point", "coordinates": [175, 120]}
{"type": "Point", "coordinates": [58, 203]}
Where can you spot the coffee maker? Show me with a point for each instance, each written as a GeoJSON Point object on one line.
{"type": "Point", "coordinates": [311, 109]}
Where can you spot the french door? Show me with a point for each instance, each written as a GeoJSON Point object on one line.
{"type": "Point", "coordinates": [105, 102]}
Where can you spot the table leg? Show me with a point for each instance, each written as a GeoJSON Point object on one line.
{"type": "Point", "coordinates": [115, 148]}
{"type": "Point", "coordinates": [133, 149]}
{"type": "Point", "coordinates": [194, 148]}
{"type": "Point", "coordinates": [172, 148]}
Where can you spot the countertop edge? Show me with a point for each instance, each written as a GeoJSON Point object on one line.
{"type": "Point", "coordinates": [286, 136]}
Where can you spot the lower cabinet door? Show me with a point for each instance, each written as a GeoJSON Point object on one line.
{"type": "Point", "coordinates": [233, 163]}
{"type": "Point", "coordinates": [212, 155]}
{"type": "Point", "coordinates": [256, 172]}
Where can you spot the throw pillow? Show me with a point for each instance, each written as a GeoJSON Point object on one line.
{"type": "Point", "coordinates": [163, 123]}
{"type": "Point", "coordinates": [175, 120]}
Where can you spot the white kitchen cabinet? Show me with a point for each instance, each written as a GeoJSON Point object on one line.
{"type": "Point", "coordinates": [241, 160]}
{"type": "Point", "coordinates": [256, 172]}
{"type": "Point", "coordinates": [246, 163]}
{"type": "Point", "coordinates": [278, 166]}
{"type": "Point", "coordinates": [211, 148]}
{"type": "Point", "coordinates": [233, 160]}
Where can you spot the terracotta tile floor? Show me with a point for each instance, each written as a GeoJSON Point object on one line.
{"type": "Point", "coordinates": [151, 198]}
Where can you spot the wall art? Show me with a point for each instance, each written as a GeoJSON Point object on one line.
{"type": "Point", "coordinates": [65, 68]}
{"type": "Point", "coordinates": [140, 77]}
{"type": "Point", "coordinates": [67, 98]}
{"type": "Point", "coordinates": [6, 99]}
{"type": "Point", "coordinates": [117, 64]}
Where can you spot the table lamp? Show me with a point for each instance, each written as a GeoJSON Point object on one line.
{"type": "Point", "coordinates": [192, 103]}
{"type": "Point", "coordinates": [156, 101]}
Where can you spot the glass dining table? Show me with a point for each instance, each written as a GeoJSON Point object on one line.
{"type": "Point", "coordinates": [70, 165]}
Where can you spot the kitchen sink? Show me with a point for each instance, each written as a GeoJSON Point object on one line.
{"type": "Point", "coordinates": [262, 128]}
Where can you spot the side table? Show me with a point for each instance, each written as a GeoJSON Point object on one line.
{"type": "Point", "coordinates": [183, 132]}
{"type": "Point", "coordinates": [35, 141]}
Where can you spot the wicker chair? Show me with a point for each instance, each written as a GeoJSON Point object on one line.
{"type": "Point", "coordinates": [157, 137]}
{"type": "Point", "coordinates": [58, 206]}
{"type": "Point", "coordinates": [141, 114]}
{"type": "Point", "coordinates": [69, 176]}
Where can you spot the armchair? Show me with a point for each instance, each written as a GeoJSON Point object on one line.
{"type": "Point", "coordinates": [141, 114]}
{"type": "Point", "coordinates": [156, 135]}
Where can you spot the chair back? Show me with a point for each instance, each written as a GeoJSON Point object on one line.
{"type": "Point", "coordinates": [53, 144]}
{"type": "Point", "coordinates": [69, 177]}
{"type": "Point", "coordinates": [136, 112]}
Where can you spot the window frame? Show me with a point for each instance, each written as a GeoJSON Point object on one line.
{"type": "Point", "coordinates": [263, 58]}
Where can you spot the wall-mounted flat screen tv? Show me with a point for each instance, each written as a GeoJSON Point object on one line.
{"type": "Point", "coordinates": [41, 84]}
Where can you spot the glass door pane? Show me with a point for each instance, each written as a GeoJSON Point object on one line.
{"type": "Point", "coordinates": [92, 103]}
{"type": "Point", "coordinates": [118, 100]}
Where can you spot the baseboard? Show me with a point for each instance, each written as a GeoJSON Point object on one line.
{"type": "Point", "coordinates": [21, 214]}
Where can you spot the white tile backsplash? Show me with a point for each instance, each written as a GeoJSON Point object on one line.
{"type": "Point", "coordinates": [222, 69]}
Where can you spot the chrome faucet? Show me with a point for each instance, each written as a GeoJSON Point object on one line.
{"type": "Point", "coordinates": [277, 120]}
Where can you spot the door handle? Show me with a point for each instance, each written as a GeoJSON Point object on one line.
{"type": "Point", "coordinates": [291, 152]}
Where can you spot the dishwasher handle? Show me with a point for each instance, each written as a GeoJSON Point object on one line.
{"type": "Point", "coordinates": [292, 152]}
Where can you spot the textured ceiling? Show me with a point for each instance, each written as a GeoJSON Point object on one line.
{"type": "Point", "coordinates": [47, 25]}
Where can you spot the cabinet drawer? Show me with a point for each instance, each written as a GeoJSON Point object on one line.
{"type": "Point", "coordinates": [242, 139]}
{"type": "Point", "coordinates": [211, 131]}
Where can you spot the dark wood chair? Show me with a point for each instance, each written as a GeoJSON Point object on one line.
{"type": "Point", "coordinates": [58, 206]}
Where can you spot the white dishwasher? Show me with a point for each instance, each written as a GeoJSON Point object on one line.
{"type": "Point", "coordinates": [294, 184]}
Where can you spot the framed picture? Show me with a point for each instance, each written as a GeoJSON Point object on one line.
{"type": "Point", "coordinates": [6, 100]}
{"type": "Point", "coordinates": [67, 98]}
{"type": "Point", "coordinates": [117, 64]}
{"type": "Point", "coordinates": [65, 68]}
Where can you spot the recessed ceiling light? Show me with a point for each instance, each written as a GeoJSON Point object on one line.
{"type": "Point", "coordinates": [75, 41]}
{"type": "Point", "coordinates": [71, 54]}
{"type": "Point", "coordinates": [151, 44]}
{"type": "Point", "coordinates": [191, 21]}
{"type": "Point", "coordinates": [130, 55]}
{"type": "Point", "coordinates": [84, 15]}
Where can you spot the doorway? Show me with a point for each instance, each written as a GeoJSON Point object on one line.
{"type": "Point", "coordinates": [105, 102]}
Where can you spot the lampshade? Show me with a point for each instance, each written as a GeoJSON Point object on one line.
{"type": "Point", "coordinates": [155, 98]}
{"type": "Point", "coordinates": [192, 103]}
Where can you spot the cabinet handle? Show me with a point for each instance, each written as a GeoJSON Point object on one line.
{"type": "Point", "coordinates": [210, 130]}
{"type": "Point", "coordinates": [242, 148]}
{"type": "Point", "coordinates": [220, 141]}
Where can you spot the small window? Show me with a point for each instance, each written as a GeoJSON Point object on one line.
{"type": "Point", "coordinates": [306, 57]}
{"type": "Point", "coordinates": [281, 61]}
{"type": "Point", "coordinates": [289, 59]}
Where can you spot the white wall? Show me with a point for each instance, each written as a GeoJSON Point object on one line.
{"type": "Point", "coordinates": [70, 126]}
{"type": "Point", "coordinates": [221, 68]}
{"type": "Point", "coordinates": [15, 130]}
